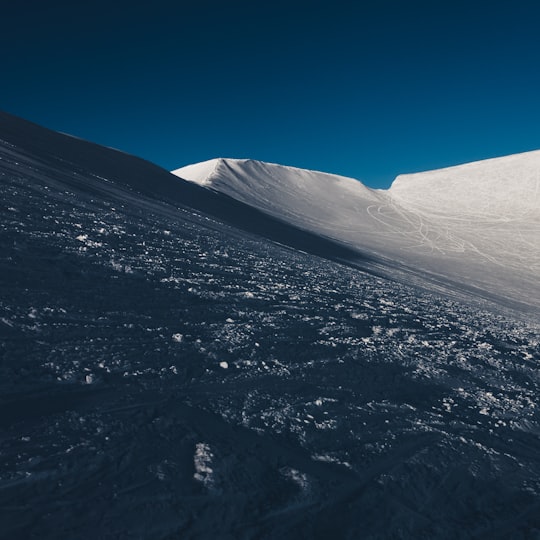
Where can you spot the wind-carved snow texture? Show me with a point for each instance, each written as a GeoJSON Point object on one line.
{"type": "Point", "coordinates": [476, 224]}
{"type": "Point", "coordinates": [352, 405]}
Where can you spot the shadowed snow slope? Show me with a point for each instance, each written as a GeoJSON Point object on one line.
{"type": "Point", "coordinates": [476, 224]}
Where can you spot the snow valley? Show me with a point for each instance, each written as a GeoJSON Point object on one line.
{"type": "Point", "coordinates": [247, 350]}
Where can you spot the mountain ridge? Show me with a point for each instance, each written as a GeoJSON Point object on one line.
{"type": "Point", "coordinates": [341, 219]}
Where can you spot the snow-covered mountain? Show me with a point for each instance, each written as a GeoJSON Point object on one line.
{"type": "Point", "coordinates": [475, 226]}
{"type": "Point", "coordinates": [175, 363]}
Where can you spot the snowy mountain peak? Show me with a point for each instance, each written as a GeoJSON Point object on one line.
{"type": "Point", "coordinates": [298, 195]}
{"type": "Point", "coordinates": [212, 171]}
{"type": "Point", "coordinates": [200, 173]}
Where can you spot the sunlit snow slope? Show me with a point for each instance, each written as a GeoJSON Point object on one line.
{"type": "Point", "coordinates": [475, 226]}
{"type": "Point", "coordinates": [489, 208]}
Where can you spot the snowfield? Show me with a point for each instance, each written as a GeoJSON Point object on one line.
{"type": "Point", "coordinates": [175, 364]}
{"type": "Point", "coordinates": [476, 224]}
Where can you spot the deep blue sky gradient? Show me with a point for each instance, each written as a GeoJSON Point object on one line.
{"type": "Point", "coordinates": [364, 89]}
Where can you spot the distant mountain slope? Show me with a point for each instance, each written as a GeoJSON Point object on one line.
{"type": "Point", "coordinates": [325, 203]}
{"type": "Point", "coordinates": [505, 189]}
{"type": "Point", "coordinates": [489, 208]}
{"type": "Point", "coordinates": [477, 224]}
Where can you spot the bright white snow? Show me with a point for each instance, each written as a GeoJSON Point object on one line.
{"type": "Point", "coordinates": [476, 224]}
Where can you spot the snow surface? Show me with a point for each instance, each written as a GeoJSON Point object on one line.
{"type": "Point", "coordinates": [352, 405]}
{"type": "Point", "coordinates": [476, 224]}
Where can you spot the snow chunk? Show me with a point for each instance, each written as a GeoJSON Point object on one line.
{"type": "Point", "coordinates": [296, 476]}
{"type": "Point", "coordinates": [202, 461]}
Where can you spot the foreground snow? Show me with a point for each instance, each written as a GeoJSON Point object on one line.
{"type": "Point", "coordinates": [476, 224]}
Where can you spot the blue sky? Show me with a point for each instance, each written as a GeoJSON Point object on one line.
{"type": "Point", "coordinates": [364, 89]}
